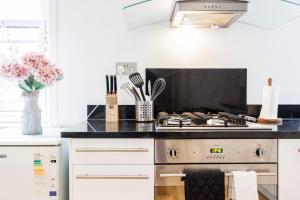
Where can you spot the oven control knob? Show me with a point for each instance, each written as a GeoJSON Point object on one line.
{"type": "Point", "coordinates": [173, 153]}
{"type": "Point", "coordinates": [259, 152]}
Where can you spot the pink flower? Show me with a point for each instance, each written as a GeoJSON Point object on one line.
{"type": "Point", "coordinates": [14, 70]}
{"type": "Point", "coordinates": [46, 74]}
{"type": "Point", "coordinates": [34, 66]}
{"type": "Point", "coordinates": [35, 60]}
{"type": "Point", "coordinates": [59, 73]}
{"type": "Point", "coordinates": [5, 70]}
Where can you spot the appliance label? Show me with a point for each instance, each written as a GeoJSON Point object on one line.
{"type": "Point", "coordinates": [40, 177]}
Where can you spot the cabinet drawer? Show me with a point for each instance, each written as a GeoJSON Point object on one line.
{"type": "Point", "coordinates": [112, 151]}
{"type": "Point", "coordinates": [289, 165]}
{"type": "Point", "coordinates": [113, 182]}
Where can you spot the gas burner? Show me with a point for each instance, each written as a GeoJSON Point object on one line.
{"type": "Point", "coordinates": [232, 118]}
{"type": "Point", "coordinates": [216, 122]}
{"type": "Point", "coordinates": [179, 120]}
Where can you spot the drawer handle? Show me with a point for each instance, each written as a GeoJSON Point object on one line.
{"type": "Point", "coordinates": [3, 155]}
{"type": "Point", "coordinates": [113, 150]}
{"type": "Point", "coordinates": [299, 150]}
{"type": "Point", "coordinates": [112, 177]}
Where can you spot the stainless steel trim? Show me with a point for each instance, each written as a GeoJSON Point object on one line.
{"type": "Point", "coordinates": [112, 177]}
{"type": "Point", "coordinates": [250, 127]}
{"type": "Point", "coordinates": [238, 8]}
{"type": "Point", "coordinates": [226, 174]}
{"type": "Point", "coordinates": [197, 151]}
{"type": "Point", "coordinates": [170, 175]}
{"type": "Point", "coordinates": [113, 150]}
{"type": "Point", "coordinates": [3, 155]}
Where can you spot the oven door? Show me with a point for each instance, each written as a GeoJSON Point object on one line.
{"type": "Point", "coordinates": [169, 184]}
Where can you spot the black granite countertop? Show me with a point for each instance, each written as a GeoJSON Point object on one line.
{"type": "Point", "coordinates": [290, 128]}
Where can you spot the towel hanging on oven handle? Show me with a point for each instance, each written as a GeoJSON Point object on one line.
{"type": "Point", "coordinates": [226, 174]}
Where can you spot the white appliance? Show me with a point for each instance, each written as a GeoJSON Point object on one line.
{"type": "Point", "coordinates": [31, 169]}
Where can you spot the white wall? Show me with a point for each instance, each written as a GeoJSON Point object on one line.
{"type": "Point", "coordinates": [92, 37]}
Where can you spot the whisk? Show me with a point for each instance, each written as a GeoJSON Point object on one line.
{"type": "Point", "coordinates": [158, 87]}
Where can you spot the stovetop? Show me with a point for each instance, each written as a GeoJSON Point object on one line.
{"type": "Point", "coordinates": [198, 120]}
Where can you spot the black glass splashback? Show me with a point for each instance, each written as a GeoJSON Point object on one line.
{"type": "Point", "coordinates": [201, 90]}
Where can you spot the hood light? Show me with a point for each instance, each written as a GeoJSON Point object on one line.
{"type": "Point", "coordinates": [215, 26]}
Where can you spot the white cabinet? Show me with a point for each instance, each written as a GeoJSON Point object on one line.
{"type": "Point", "coordinates": [112, 151]}
{"type": "Point", "coordinates": [30, 173]}
{"type": "Point", "coordinates": [112, 169]}
{"type": "Point", "coordinates": [289, 169]}
{"type": "Point", "coordinates": [113, 182]}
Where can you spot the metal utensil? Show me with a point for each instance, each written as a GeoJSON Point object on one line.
{"type": "Point", "coordinates": [138, 82]}
{"type": "Point", "coordinates": [149, 88]}
{"type": "Point", "coordinates": [136, 93]}
{"type": "Point", "coordinates": [128, 90]}
{"type": "Point", "coordinates": [126, 87]}
{"type": "Point", "coordinates": [158, 87]}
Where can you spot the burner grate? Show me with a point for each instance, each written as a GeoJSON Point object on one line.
{"type": "Point", "coordinates": [198, 119]}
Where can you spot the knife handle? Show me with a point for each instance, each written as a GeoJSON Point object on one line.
{"type": "Point", "coordinates": [107, 85]}
{"type": "Point", "coordinates": [111, 84]}
{"type": "Point", "coordinates": [115, 84]}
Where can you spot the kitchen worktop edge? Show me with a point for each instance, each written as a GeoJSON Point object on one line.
{"type": "Point", "coordinates": [289, 129]}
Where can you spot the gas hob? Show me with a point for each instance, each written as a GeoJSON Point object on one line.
{"type": "Point", "coordinates": [201, 121]}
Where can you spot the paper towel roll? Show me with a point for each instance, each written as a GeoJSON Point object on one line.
{"type": "Point", "coordinates": [270, 103]}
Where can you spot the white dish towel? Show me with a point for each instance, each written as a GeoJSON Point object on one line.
{"type": "Point", "coordinates": [243, 186]}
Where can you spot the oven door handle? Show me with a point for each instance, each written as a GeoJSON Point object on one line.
{"type": "Point", "coordinates": [226, 174]}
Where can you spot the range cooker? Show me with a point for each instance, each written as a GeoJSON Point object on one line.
{"type": "Point", "coordinates": [173, 157]}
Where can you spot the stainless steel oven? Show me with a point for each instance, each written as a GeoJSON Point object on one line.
{"type": "Point", "coordinates": [173, 157]}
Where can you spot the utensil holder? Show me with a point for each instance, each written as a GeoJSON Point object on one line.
{"type": "Point", "coordinates": [144, 111]}
{"type": "Point", "coordinates": [112, 108]}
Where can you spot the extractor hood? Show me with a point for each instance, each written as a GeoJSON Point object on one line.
{"type": "Point", "coordinates": [207, 13]}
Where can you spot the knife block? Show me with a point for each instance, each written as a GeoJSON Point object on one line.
{"type": "Point", "coordinates": [112, 108]}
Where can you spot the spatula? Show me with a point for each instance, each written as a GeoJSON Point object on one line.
{"type": "Point", "coordinates": [138, 82]}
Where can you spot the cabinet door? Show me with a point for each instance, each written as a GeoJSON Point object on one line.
{"type": "Point", "coordinates": [113, 182]}
{"type": "Point", "coordinates": [27, 173]}
{"type": "Point", "coordinates": [113, 151]}
{"type": "Point", "coordinates": [289, 169]}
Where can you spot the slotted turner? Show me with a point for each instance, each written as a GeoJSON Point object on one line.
{"type": "Point", "coordinates": [138, 82]}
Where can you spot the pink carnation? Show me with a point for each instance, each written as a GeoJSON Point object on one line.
{"type": "Point", "coordinates": [59, 72]}
{"type": "Point", "coordinates": [6, 70]}
{"type": "Point", "coordinates": [35, 60]}
{"type": "Point", "coordinates": [46, 74]}
{"type": "Point", "coordinates": [15, 71]}
{"type": "Point", "coordinates": [33, 65]}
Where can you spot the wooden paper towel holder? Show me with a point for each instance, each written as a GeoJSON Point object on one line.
{"type": "Point", "coordinates": [269, 121]}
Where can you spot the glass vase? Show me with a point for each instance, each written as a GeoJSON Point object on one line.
{"type": "Point", "coordinates": [31, 116]}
